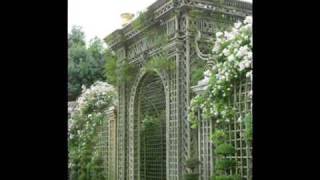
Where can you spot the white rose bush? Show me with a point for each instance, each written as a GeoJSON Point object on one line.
{"type": "Point", "coordinates": [88, 115]}
{"type": "Point", "coordinates": [231, 63]}
{"type": "Point", "coordinates": [232, 59]}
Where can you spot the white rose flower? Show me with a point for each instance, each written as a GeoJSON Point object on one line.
{"type": "Point", "coordinates": [249, 55]}
{"type": "Point", "coordinates": [247, 63]}
{"type": "Point", "coordinates": [231, 58]}
{"type": "Point", "coordinates": [207, 73]}
{"type": "Point", "coordinates": [242, 51]}
{"type": "Point", "coordinates": [219, 34]}
{"type": "Point", "coordinates": [249, 74]}
{"type": "Point", "coordinates": [226, 52]}
{"type": "Point", "coordinates": [241, 66]}
{"type": "Point", "coordinates": [248, 20]}
{"type": "Point", "coordinates": [237, 25]}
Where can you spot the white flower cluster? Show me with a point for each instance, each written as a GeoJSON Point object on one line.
{"type": "Point", "coordinates": [97, 91]}
{"type": "Point", "coordinates": [232, 56]}
{"type": "Point", "coordinates": [98, 96]}
{"type": "Point", "coordinates": [233, 50]}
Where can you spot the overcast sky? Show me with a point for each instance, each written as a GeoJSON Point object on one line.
{"type": "Point", "coordinates": [101, 17]}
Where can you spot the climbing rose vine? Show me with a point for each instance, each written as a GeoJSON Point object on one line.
{"type": "Point", "coordinates": [83, 123]}
{"type": "Point", "coordinates": [232, 61]}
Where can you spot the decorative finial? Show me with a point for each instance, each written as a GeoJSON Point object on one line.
{"type": "Point", "coordinates": [126, 18]}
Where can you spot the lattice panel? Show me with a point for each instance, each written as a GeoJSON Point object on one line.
{"type": "Point", "coordinates": [184, 94]}
{"type": "Point", "coordinates": [173, 127]}
{"type": "Point", "coordinates": [230, 10]}
{"type": "Point", "coordinates": [110, 140]}
{"type": "Point", "coordinates": [133, 154]}
{"type": "Point", "coordinates": [171, 27]}
{"type": "Point", "coordinates": [102, 146]}
{"type": "Point", "coordinates": [236, 132]}
{"type": "Point", "coordinates": [205, 148]}
{"type": "Point", "coordinates": [135, 46]}
{"type": "Point", "coordinates": [147, 43]}
{"type": "Point", "coordinates": [164, 9]}
{"type": "Point", "coordinates": [145, 98]}
{"type": "Point", "coordinates": [106, 146]}
{"type": "Point", "coordinates": [242, 103]}
{"type": "Point", "coordinates": [152, 139]}
{"type": "Point", "coordinates": [121, 135]}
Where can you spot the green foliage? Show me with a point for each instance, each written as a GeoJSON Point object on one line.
{"type": "Point", "coordinates": [192, 176]}
{"type": "Point", "coordinates": [218, 137]}
{"type": "Point", "coordinates": [197, 75]}
{"type": "Point", "coordinates": [143, 19]}
{"type": "Point", "coordinates": [160, 63]}
{"type": "Point", "coordinates": [225, 164]}
{"type": "Point", "coordinates": [222, 151]}
{"type": "Point", "coordinates": [151, 136]}
{"type": "Point", "coordinates": [110, 67]}
{"type": "Point", "coordinates": [85, 65]}
{"type": "Point", "coordinates": [76, 38]}
{"type": "Point", "coordinates": [150, 122]}
{"type": "Point", "coordinates": [125, 72]}
{"type": "Point", "coordinates": [84, 157]}
{"type": "Point", "coordinates": [192, 163]}
{"type": "Point", "coordinates": [225, 177]}
{"type": "Point", "coordinates": [118, 72]}
{"type": "Point", "coordinates": [232, 59]}
{"type": "Point", "coordinates": [83, 176]}
{"type": "Point", "coordinates": [159, 38]}
{"type": "Point", "coordinates": [197, 71]}
{"type": "Point", "coordinates": [225, 149]}
{"type": "Point", "coordinates": [232, 62]}
{"type": "Point", "coordinates": [248, 125]}
{"type": "Point", "coordinates": [196, 102]}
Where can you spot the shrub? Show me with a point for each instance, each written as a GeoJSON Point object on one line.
{"type": "Point", "coordinates": [192, 163]}
{"type": "Point", "coordinates": [235, 177]}
{"type": "Point", "coordinates": [225, 164]}
{"type": "Point", "coordinates": [192, 176]}
{"type": "Point", "coordinates": [83, 125]}
{"type": "Point", "coordinates": [225, 149]}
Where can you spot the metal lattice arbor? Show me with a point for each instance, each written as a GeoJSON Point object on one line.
{"type": "Point", "coordinates": [235, 131]}
{"type": "Point", "coordinates": [107, 143]}
{"type": "Point", "coordinates": [150, 139]}
{"type": "Point", "coordinates": [167, 92]}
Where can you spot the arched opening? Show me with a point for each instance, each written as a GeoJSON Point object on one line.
{"type": "Point", "coordinates": [150, 129]}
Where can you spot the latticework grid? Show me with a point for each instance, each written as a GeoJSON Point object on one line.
{"type": "Point", "coordinates": [121, 135]}
{"type": "Point", "coordinates": [131, 44]}
{"type": "Point", "coordinates": [106, 144]}
{"type": "Point", "coordinates": [236, 129]}
{"type": "Point", "coordinates": [101, 147]}
{"type": "Point", "coordinates": [150, 141]}
{"type": "Point", "coordinates": [241, 102]}
{"type": "Point", "coordinates": [205, 148]}
{"type": "Point", "coordinates": [173, 127]}
{"type": "Point", "coordinates": [111, 144]}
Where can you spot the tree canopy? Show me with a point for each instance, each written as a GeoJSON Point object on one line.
{"type": "Point", "coordinates": [86, 62]}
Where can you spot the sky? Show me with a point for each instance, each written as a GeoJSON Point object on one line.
{"type": "Point", "coordinates": [101, 17]}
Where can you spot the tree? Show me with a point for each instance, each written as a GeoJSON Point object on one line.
{"type": "Point", "coordinates": [76, 37]}
{"type": "Point", "coordinates": [110, 67]}
{"type": "Point", "coordinates": [85, 64]}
